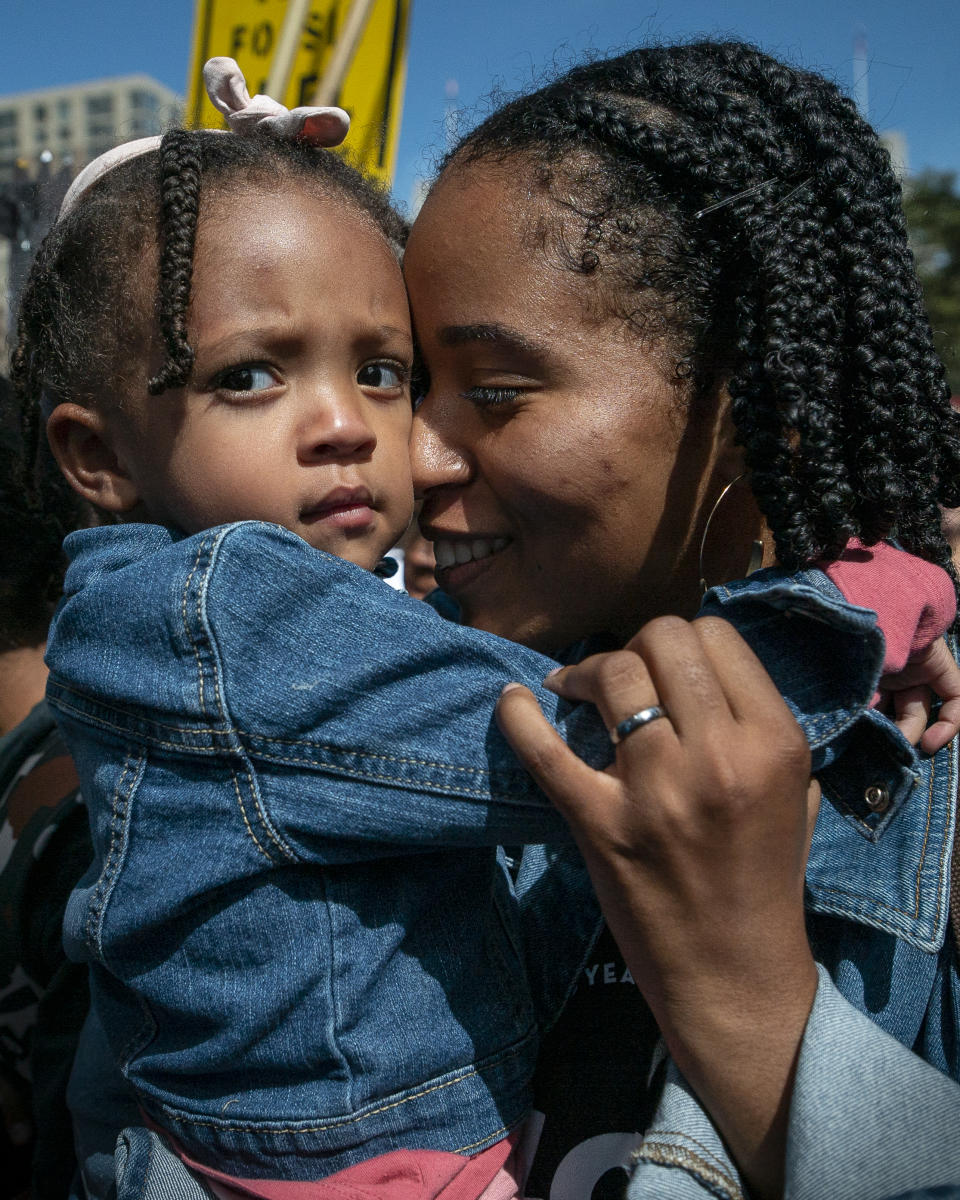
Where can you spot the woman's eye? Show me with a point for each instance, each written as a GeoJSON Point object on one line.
{"type": "Point", "coordinates": [492, 397]}
{"type": "Point", "coordinates": [249, 377]}
{"type": "Point", "coordinates": [383, 376]}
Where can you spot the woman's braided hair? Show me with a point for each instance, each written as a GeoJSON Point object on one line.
{"type": "Point", "coordinates": [116, 271]}
{"type": "Point", "coordinates": [740, 212]}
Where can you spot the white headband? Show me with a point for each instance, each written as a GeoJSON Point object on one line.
{"type": "Point", "coordinates": [244, 115]}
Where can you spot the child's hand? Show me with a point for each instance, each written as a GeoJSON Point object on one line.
{"type": "Point", "coordinates": [909, 694]}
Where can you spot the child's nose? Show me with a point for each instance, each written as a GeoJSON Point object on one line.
{"type": "Point", "coordinates": [334, 427]}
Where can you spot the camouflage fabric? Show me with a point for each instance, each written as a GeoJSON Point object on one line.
{"type": "Point", "coordinates": [44, 849]}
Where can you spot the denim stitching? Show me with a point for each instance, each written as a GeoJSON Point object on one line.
{"type": "Point", "coordinates": [205, 729]}
{"type": "Point", "coordinates": [243, 813]}
{"type": "Point", "coordinates": [474, 1145]}
{"type": "Point", "coordinates": [186, 627]}
{"type": "Point", "coordinates": [400, 760]}
{"type": "Point", "coordinates": [201, 622]}
{"type": "Point", "coordinates": [287, 851]}
{"type": "Point", "coordinates": [375, 1112]}
{"type": "Point", "coordinates": [320, 746]}
{"type": "Point", "coordinates": [923, 850]}
{"type": "Point", "coordinates": [334, 769]}
{"type": "Point", "coordinates": [118, 809]}
{"type": "Point", "coordinates": [871, 832]}
{"type": "Point", "coordinates": [443, 789]}
{"type": "Point", "coordinates": [947, 841]}
{"type": "Point", "coordinates": [664, 1154]}
{"type": "Point", "coordinates": [926, 840]}
{"type": "Point", "coordinates": [143, 1035]}
{"type": "Point", "coordinates": [424, 762]}
{"type": "Point", "coordinates": [266, 825]}
{"type": "Point", "coordinates": [93, 913]}
{"type": "Point", "coordinates": [718, 1163]}
{"type": "Point", "coordinates": [436, 1087]}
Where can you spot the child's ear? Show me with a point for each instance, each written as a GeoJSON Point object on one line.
{"type": "Point", "coordinates": [81, 443]}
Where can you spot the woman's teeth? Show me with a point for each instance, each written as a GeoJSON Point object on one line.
{"type": "Point", "coordinates": [449, 553]}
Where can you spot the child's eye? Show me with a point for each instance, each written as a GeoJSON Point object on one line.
{"type": "Point", "coordinates": [383, 376]}
{"type": "Point", "coordinates": [248, 377]}
{"type": "Point", "coordinates": [492, 397]}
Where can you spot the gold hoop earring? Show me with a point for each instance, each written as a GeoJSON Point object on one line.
{"type": "Point", "coordinates": [756, 550]}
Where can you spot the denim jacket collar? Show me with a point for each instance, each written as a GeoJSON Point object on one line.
{"type": "Point", "coordinates": [880, 854]}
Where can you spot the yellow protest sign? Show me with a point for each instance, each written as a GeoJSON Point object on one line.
{"type": "Point", "coordinates": [372, 90]}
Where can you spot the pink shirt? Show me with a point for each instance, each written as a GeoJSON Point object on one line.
{"type": "Point", "coordinates": [914, 600]}
{"type": "Point", "coordinates": [494, 1174]}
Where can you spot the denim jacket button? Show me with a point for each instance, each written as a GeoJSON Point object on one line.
{"type": "Point", "coordinates": [877, 798]}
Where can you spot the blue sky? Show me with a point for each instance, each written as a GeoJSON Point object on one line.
{"type": "Point", "coordinates": [913, 46]}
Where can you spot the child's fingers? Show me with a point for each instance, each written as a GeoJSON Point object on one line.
{"type": "Point", "coordinates": [945, 681]}
{"type": "Point", "coordinates": [558, 772]}
{"type": "Point", "coordinates": [940, 732]}
{"type": "Point", "coordinates": [911, 711]}
{"type": "Point", "coordinates": [944, 729]}
{"type": "Point", "coordinates": [944, 671]}
{"type": "Point", "coordinates": [932, 670]}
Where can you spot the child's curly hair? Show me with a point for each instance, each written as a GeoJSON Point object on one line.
{"type": "Point", "coordinates": [118, 267]}
{"type": "Point", "coordinates": [740, 212]}
{"type": "Point", "coordinates": [31, 556]}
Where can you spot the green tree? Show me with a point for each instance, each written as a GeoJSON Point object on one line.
{"type": "Point", "coordinates": [932, 205]}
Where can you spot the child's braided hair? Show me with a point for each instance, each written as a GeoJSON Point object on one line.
{"type": "Point", "coordinates": [739, 211]}
{"type": "Point", "coordinates": [31, 559]}
{"type": "Point", "coordinates": [90, 310]}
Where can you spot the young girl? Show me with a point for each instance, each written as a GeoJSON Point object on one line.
{"type": "Point", "coordinates": [303, 949]}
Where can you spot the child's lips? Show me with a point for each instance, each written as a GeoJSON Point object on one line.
{"type": "Point", "coordinates": [347, 508]}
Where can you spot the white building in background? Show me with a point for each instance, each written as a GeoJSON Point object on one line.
{"type": "Point", "coordinates": [895, 141]}
{"type": "Point", "coordinates": [6, 317]}
{"type": "Point", "coordinates": [80, 121]}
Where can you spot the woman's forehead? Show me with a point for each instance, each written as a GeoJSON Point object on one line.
{"type": "Point", "coordinates": [477, 234]}
{"type": "Point", "coordinates": [478, 201]}
{"type": "Point", "coordinates": [490, 249]}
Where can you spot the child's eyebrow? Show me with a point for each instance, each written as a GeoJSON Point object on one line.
{"type": "Point", "coordinates": [282, 334]}
{"type": "Point", "coordinates": [396, 331]}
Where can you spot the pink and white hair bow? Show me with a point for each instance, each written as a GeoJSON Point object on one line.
{"type": "Point", "coordinates": [245, 115]}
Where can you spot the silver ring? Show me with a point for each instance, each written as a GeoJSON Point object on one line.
{"type": "Point", "coordinates": [637, 721]}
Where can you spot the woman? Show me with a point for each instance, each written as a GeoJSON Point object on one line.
{"type": "Point", "coordinates": [573, 445]}
{"type": "Point", "coordinates": [662, 272]}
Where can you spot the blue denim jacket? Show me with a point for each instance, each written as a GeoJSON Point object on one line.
{"type": "Point", "coordinates": [869, 1119]}
{"type": "Point", "coordinates": [296, 793]}
{"type": "Point", "coordinates": [272, 741]}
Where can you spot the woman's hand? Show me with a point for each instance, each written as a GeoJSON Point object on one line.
{"type": "Point", "coordinates": [696, 839]}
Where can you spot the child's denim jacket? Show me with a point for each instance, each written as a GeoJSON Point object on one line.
{"type": "Point", "coordinates": [304, 948]}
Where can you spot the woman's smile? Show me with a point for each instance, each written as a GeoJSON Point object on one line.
{"type": "Point", "coordinates": [450, 551]}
